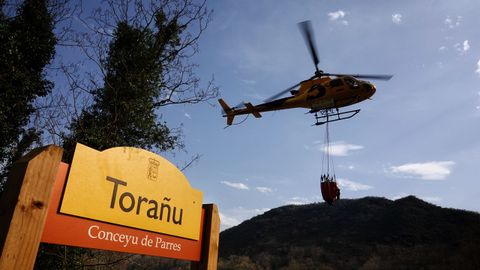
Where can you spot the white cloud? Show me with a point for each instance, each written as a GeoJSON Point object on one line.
{"type": "Point", "coordinates": [478, 67]}
{"type": "Point", "coordinates": [237, 215]}
{"type": "Point", "coordinates": [240, 186]}
{"type": "Point", "coordinates": [227, 221]}
{"type": "Point", "coordinates": [298, 201]}
{"type": "Point", "coordinates": [466, 46]}
{"type": "Point", "coordinates": [463, 47]}
{"type": "Point", "coordinates": [187, 115]}
{"type": "Point", "coordinates": [340, 148]}
{"type": "Point", "coordinates": [351, 185]}
{"type": "Point", "coordinates": [452, 23]}
{"type": "Point", "coordinates": [397, 18]}
{"type": "Point", "coordinates": [431, 199]}
{"type": "Point", "coordinates": [434, 170]}
{"type": "Point", "coordinates": [338, 16]}
{"type": "Point", "coordinates": [264, 189]}
{"type": "Point", "coordinates": [448, 21]}
{"type": "Point", "coordinates": [442, 48]}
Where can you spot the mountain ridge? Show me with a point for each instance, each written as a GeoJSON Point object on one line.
{"type": "Point", "coordinates": [360, 229]}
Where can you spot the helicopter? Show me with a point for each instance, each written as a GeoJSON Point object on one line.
{"type": "Point", "coordinates": [323, 93]}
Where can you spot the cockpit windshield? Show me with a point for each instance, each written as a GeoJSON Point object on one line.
{"type": "Point", "coordinates": [351, 82]}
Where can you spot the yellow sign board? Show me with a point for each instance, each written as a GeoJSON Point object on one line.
{"type": "Point", "coordinates": [132, 187]}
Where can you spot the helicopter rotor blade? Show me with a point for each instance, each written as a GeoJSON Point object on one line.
{"type": "Point", "coordinates": [282, 92]}
{"type": "Point", "coordinates": [383, 77]}
{"type": "Point", "coordinates": [240, 105]}
{"type": "Point", "coordinates": [307, 32]}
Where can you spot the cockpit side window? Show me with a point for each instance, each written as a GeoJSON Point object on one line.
{"type": "Point", "coordinates": [351, 82]}
{"type": "Point", "coordinates": [336, 82]}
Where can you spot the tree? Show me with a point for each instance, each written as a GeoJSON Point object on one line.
{"type": "Point", "coordinates": [27, 45]}
{"type": "Point", "coordinates": [145, 68]}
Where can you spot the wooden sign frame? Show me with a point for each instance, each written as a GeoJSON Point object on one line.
{"type": "Point", "coordinates": [24, 207]}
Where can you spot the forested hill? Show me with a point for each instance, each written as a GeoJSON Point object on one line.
{"type": "Point", "coordinates": [368, 233]}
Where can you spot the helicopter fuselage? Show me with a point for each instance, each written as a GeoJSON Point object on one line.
{"type": "Point", "coordinates": [320, 93]}
{"type": "Point", "coordinates": [316, 94]}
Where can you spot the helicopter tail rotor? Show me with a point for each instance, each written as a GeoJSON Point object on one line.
{"type": "Point", "coordinates": [227, 111]}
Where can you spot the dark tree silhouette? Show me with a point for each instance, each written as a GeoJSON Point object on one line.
{"type": "Point", "coordinates": [143, 54]}
{"type": "Point", "coordinates": [27, 45]}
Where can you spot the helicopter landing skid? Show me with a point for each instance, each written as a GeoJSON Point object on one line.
{"type": "Point", "coordinates": [330, 115]}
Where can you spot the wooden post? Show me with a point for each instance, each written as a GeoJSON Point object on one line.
{"type": "Point", "coordinates": [24, 204]}
{"type": "Point", "coordinates": [211, 234]}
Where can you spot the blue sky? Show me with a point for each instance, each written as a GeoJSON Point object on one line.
{"type": "Point", "coordinates": [419, 134]}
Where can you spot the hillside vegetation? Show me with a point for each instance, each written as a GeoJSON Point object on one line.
{"type": "Point", "coordinates": [368, 233]}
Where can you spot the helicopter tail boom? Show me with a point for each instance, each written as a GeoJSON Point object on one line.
{"type": "Point", "coordinates": [231, 112]}
{"type": "Point", "coordinates": [252, 110]}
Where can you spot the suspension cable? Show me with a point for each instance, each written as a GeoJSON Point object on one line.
{"type": "Point", "coordinates": [327, 160]}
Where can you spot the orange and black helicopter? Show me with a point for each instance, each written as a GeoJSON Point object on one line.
{"type": "Point", "coordinates": [321, 94]}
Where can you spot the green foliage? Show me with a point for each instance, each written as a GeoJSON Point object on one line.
{"type": "Point", "coordinates": [27, 45]}
{"type": "Point", "coordinates": [47, 252]}
{"type": "Point", "coordinates": [123, 111]}
{"type": "Point", "coordinates": [237, 262]}
{"type": "Point", "coordinates": [51, 257]}
{"type": "Point", "coordinates": [368, 233]}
